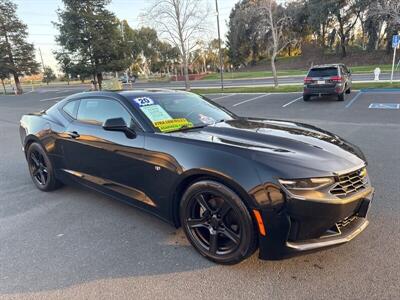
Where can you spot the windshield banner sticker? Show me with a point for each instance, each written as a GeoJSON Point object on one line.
{"type": "Point", "coordinates": [155, 113]}
{"type": "Point", "coordinates": [173, 124]}
{"type": "Point", "coordinates": [144, 101]}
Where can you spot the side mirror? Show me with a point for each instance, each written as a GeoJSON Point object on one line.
{"type": "Point", "coordinates": [118, 124]}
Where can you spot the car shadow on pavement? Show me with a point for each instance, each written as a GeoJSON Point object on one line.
{"type": "Point", "coordinates": [73, 236]}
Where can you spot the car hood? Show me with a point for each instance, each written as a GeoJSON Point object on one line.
{"type": "Point", "coordinates": [275, 142]}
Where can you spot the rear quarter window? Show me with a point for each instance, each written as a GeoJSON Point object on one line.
{"type": "Point", "coordinates": [323, 72]}
{"type": "Point", "coordinates": [71, 108]}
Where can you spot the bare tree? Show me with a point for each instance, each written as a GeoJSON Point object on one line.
{"type": "Point", "coordinates": [274, 25]}
{"type": "Point", "coordinates": [182, 23]}
{"type": "Point", "coordinates": [390, 9]}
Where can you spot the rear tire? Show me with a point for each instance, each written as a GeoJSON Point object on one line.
{"type": "Point", "coordinates": [41, 169]}
{"type": "Point", "coordinates": [341, 97]}
{"type": "Point", "coordinates": [348, 91]}
{"type": "Point", "coordinates": [217, 223]}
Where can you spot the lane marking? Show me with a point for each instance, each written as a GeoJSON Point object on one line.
{"type": "Point", "coordinates": [354, 99]}
{"type": "Point", "coordinates": [293, 101]}
{"type": "Point", "coordinates": [28, 92]}
{"type": "Point", "coordinates": [225, 96]}
{"type": "Point", "coordinates": [50, 99]}
{"type": "Point", "coordinates": [62, 91]}
{"type": "Point", "coordinates": [251, 99]}
{"type": "Point", "coordinates": [385, 105]}
{"type": "Point", "coordinates": [69, 90]}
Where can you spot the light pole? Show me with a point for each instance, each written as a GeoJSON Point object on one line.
{"type": "Point", "coordinates": [221, 60]}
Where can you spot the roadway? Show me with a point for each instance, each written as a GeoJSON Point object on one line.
{"type": "Point", "coordinates": [228, 82]}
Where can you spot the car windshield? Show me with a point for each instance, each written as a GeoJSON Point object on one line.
{"type": "Point", "coordinates": [323, 72]}
{"type": "Point", "coordinates": [179, 111]}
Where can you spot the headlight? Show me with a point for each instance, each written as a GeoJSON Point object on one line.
{"type": "Point", "coordinates": [307, 184]}
{"type": "Point", "coordinates": [314, 187]}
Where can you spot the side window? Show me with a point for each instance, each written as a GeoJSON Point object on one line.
{"type": "Point", "coordinates": [71, 108]}
{"type": "Point", "coordinates": [96, 111]}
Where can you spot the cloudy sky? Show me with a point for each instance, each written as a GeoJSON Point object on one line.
{"type": "Point", "coordinates": [38, 15]}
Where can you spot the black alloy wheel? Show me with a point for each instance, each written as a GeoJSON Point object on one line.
{"type": "Point", "coordinates": [41, 168]}
{"type": "Point", "coordinates": [217, 222]}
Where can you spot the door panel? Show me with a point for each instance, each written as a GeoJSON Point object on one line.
{"type": "Point", "coordinates": [108, 160]}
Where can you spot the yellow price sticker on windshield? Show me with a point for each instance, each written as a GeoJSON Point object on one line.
{"type": "Point", "coordinates": [173, 124]}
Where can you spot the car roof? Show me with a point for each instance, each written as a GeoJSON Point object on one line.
{"type": "Point", "coordinates": [124, 94]}
{"type": "Point", "coordinates": [326, 66]}
{"type": "Point", "coordinates": [149, 92]}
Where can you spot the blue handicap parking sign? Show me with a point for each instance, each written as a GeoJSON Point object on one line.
{"type": "Point", "coordinates": [395, 41]}
{"type": "Point", "coordinates": [385, 105]}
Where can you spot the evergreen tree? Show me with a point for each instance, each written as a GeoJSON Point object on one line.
{"type": "Point", "coordinates": [4, 71]}
{"type": "Point", "coordinates": [92, 36]}
{"type": "Point", "coordinates": [48, 75]}
{"type": "Point", "coordinates": [17, 55]}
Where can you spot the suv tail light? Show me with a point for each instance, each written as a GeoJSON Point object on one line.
{"type": "Point", "coordinates": [308, 80]}
{"type": "Point", "coordinates": [336, 79]}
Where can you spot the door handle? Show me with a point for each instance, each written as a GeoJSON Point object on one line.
{"type": "Point", "coordinates": [73, 134]}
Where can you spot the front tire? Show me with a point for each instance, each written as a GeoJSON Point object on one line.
{"type": "Point", "coordinates": [41, 169]}
{"type": "Point", "coordinates": [306, 98]}
{"type": "Point", "coordinates": [217, 223]}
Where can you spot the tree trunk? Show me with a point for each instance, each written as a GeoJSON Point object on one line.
{"type": "Point", "coordinates": [4, 86]}
{"type": "Point", "coordinates": [185, 67]}
{"type": "Point", "coordinates": [94, 82]}
{"type": "Point", "coordinates": [343, 45]}
{"type": "Point", "coordinates": [372, 34]}
{"type": "Point", "coordinates": [99, 80]}
{"type": "Point", "coordinates": [273, 68]}
{"type": "Point", "coordinates": [322, 36]}
{"type": "Point", "coordinates": [186, 73]}
{"type": "Point", "coordinates": [18, 84]}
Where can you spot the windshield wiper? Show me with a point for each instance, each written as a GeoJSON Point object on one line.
{"type": "Point", "coordinates": [187, 127]}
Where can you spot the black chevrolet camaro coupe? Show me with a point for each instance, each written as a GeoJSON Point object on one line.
{"type": "Point", "coordinates": [234, 184]}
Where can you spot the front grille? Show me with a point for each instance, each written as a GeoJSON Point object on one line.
{"type": "Point", "coordinates": [350, 183]}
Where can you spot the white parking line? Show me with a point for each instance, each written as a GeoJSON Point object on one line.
{"type": "Point", "coordinates": [354, 99]}
{"type": "Point", "coordinates": [251, 99]}
{"type": "Point", "coordinates": [50, 99]}
{"type": "Point", "coordinates": [225, 96]}
{"type": "Point", "coordinates": [293, 101]}
{"type": "Point", "coordinates": [61, 91]}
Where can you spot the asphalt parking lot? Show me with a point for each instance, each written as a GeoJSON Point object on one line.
{"type": "Point", "coordinates": [74, 243]}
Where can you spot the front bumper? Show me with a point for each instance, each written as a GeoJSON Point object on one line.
{"type": "Point", "coordinates": [343, 236]}
{"type": "Point", "coordinates": [306, 225]}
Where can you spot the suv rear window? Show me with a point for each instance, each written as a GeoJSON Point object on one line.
{"type": "Point", "coordinates": [323, 72]}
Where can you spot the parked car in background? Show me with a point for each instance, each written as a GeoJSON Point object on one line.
{"type": "Point", "coordinates": [128, 79]}
{"type": "Point", "coordinates": [321, 80]}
